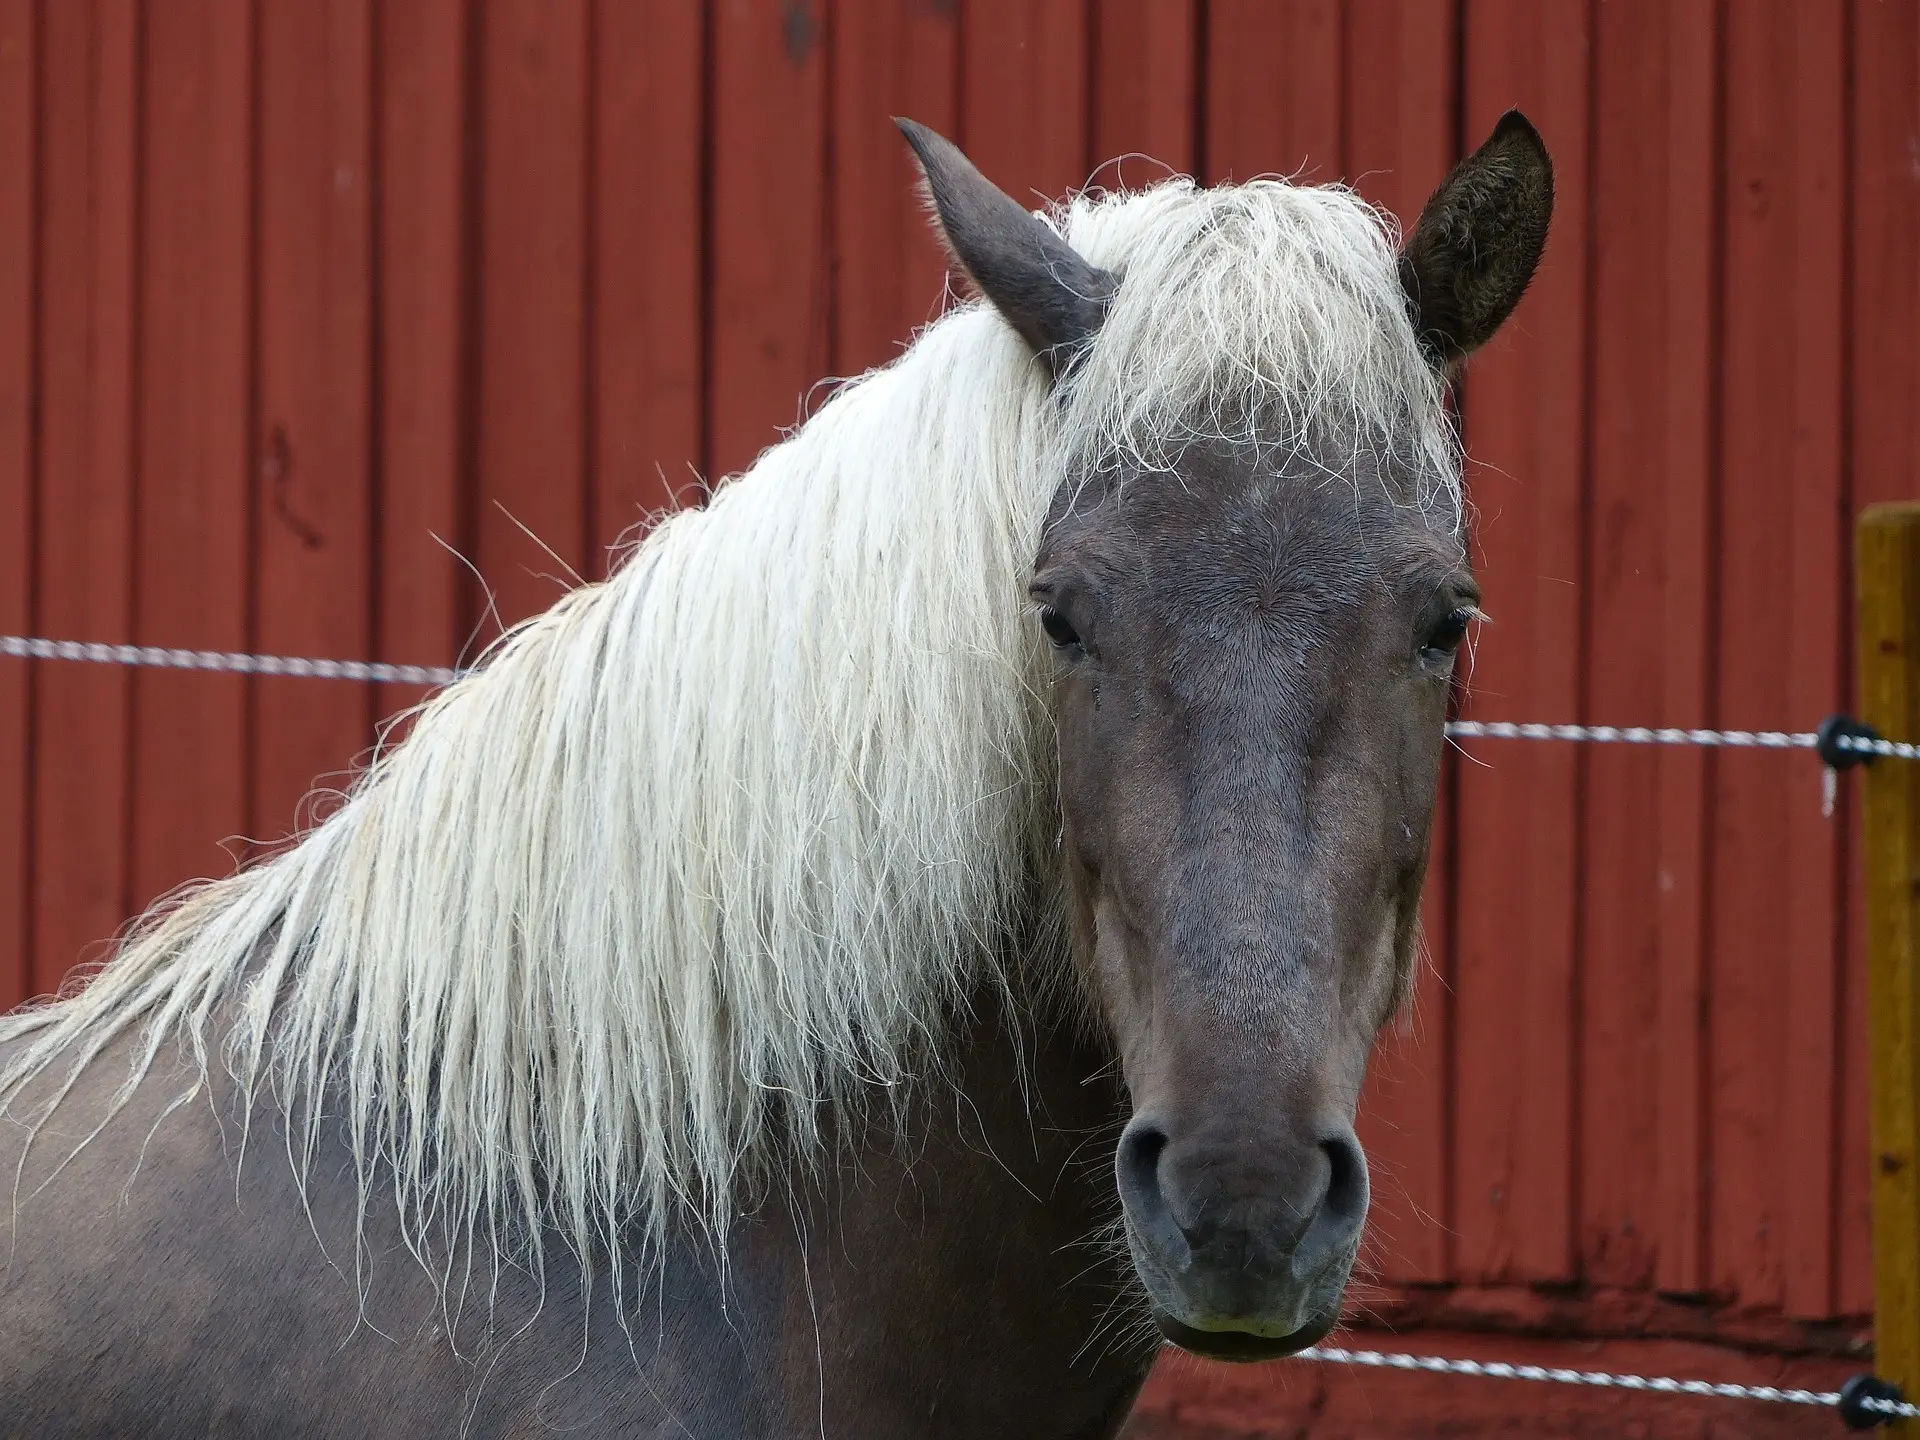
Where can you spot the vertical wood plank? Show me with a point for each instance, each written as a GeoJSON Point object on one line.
{"type": "Point", "coordinates": [1399, 141]}
{"type": "Point", "coordinates": [84, 546]}
{"type": "Point", "coordinates": [1642, 1083]}
{"type": "Point", "coordinates": [1519, 805]}
{"type": "Point", "coordinates": [1818, 518]}
{"type": "Point", "coordinates": [1888, 557]}
{"type": "Point", "coordinates": [648, 354]}
{"type": "Point", "coordinates": [533, 340]}
{"type": "Point", "coordinates": [1400, 117]}
{"type": "Point", "coordinates": [424, 223]}
{"type": "Point", "coordinates": [312, 446]}
{"type": "Point", "coordinates": [1883, 388]}
{"type": "Point", "coordinates": [1274, 90]}
{"type": "Point", "coordinates": [195, 358]}
{"type": "Point", "coordinates": [1691, 453]}
{"type": "Point", "coordinates": [1023, 98]}
{"type": "Point", "coordinates": [771, 317]}
{"type": "Point", "coordinates": [19, 103]}
{"type": "Point", "coordinates": [898, 59]}
{"type": "Point", "coordinates": [1143, 80]}
{"type": "Point", "coordinates": [1773, 968]}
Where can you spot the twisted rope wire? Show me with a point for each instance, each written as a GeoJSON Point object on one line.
{"type": "Point", "coordinates": [1655, 1384]}
{"type": "Point", "coordinates": [227, 660]}
{"type": "Point", "coordinates": [380, 671]}
{"type": "Point", "coordinates": [1644, 735]}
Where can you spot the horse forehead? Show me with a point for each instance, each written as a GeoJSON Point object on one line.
{"type": "Point", "coordinates": [1275, 523]}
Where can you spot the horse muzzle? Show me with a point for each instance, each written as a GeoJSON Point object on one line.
{"type": "Point", "coordinates": [1244, 1250]}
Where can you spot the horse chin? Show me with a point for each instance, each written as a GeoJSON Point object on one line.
{"type": "Point", "coordinates": [1241, 1346]}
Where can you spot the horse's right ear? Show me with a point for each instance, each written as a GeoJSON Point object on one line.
{"type": "Point", "coordinates": [1046, 291]}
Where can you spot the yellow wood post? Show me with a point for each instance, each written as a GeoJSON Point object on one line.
{"type": "Point", "coordinates": [1887, 571]}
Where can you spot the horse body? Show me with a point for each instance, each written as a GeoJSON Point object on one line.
{"type": "Point", "coordinates": [803, 985]}
{"type": "Point", "coordinates": [168, 1286]}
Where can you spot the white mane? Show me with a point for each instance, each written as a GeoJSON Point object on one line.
{"type": "Point", "coordinates": [707, 853]}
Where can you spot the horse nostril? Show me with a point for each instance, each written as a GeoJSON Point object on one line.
{"type": "Point", "coordinates": [1347, 1177]}
{"type": "Point", "coordinates": [1136, 1166]}
{"type": "Point", "coordinates": [1342, 1210]}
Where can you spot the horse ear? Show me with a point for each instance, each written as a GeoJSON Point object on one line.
{"type": "Point", "coordinates": [1046, 291]}
{"type": "Point", "coordinates": [1468, 260]}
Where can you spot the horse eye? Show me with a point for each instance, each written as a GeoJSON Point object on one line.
{"type": "Point", "coordinates": [1058, 630]}
{"type": "Point", "coordinates": [1447, 633]}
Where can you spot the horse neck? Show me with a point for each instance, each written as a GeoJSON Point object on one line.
{"type": "Point", "coordinates": [969, 1255]}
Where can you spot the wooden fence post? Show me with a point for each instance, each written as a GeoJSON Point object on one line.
{"type": "Point", "coordinates": [1887, 572]}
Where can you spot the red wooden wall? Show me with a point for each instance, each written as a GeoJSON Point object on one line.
{"type": "Point", "coordinates": [312, 313]}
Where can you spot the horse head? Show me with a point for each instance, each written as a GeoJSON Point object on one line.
{"type": "Point", "coordinates": [1255, 585]}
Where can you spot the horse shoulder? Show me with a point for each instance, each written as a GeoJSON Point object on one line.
{"type": "Point", "coordinates": [170, 1277]}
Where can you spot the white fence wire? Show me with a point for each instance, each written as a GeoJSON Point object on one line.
{"type": "Point", "coordinates": [1871, 1404]}
{"type": "Point", "coordinates": [227, 660]}
{"type": "Point", "coordinates": [1643, 735]}
{"type": "Point", "coordinates": [380, 671]}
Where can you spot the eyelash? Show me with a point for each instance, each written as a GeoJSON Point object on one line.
{"type": "Point", "coordinates": [1444, 638]}
{"type": "Point", "coordinates": [1059, 632]}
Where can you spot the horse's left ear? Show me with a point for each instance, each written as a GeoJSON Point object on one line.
{"type": "Point", "coordinates": [1046, 291]}
{"type": "Point", "coordinates": [1468, 260]}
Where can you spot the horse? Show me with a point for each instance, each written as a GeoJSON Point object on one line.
{"type": "Point", "coordinates": [900, 951]}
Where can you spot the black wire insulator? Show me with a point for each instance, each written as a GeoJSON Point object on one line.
{"type": "Point", "coordinates": [1862, 1388]}
{"type": "Point", "coordinates": [1835, 756]}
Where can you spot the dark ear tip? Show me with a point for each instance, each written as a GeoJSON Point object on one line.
{"type": "Point", "coordinates": [925, 142]}
{"type": "Point", "coordinates": [1515, 123]}
{"type": "Point", "coordinates": [1514, 129]}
